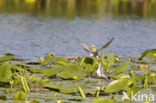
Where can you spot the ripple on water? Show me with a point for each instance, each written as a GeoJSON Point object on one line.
{"type": "Point", "coordinates": [31, 37]}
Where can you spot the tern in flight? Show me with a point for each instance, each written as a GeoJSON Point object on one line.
{"type": "Point", "coordinates": [94, 53]}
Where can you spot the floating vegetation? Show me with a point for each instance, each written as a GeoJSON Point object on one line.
{"type": "Point", "coordinates": [77, 78]}
{"type": "Point", "coordinates": [149, 54]}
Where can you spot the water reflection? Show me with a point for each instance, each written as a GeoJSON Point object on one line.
{"type": "Point", "coordinates": [82, 8]}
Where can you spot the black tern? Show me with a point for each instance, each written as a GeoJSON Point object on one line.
{"type": "Point", "coordinates": [93, 52]}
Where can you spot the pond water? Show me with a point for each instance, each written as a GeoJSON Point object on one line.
{"type": "Point", "coordinates": [31, 28]}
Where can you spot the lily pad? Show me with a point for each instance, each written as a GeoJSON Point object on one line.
{"type": "Point", "coordinates": [148, 53]}
{"type": "Point", "coordinates": [5, 72]}
{"type": "Point", "coordinates": [69, 89]}
{"type": "Point", "coordinates": [66, 89]}
{"type": "Point", "coordinates": [133, 90]}
{"type": "Point", "coordinates": [72, 71]}
{"type": "Point", "coordinates": [52, 71]}
{"type": "Point", "coordinates": [53, 87]}
{"type": "Point", "coordinates": [76, 99]}
{"type": "Point", "coordinates": [122, 76]}
{"type": "Point", "coordinates": [59, 60]}
{"type": "Point", "coordinates": [122, 67]}
{"type": "Point", "coordinates": [20, 95]}
{"type": "Point", "coordinates": [8, 56]}
{"type": "Point", "coordinates": [37, 70]}
{"type": "Point", "coordinates": [117, 85]}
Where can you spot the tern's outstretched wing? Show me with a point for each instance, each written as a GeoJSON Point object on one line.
{"type": "Point", "coordinates": [106, 45]}
{"type": "Point", "coordinates": [85, 47]}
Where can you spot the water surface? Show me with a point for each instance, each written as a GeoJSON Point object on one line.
{"type": "Point", "coordinates": [33, 29]}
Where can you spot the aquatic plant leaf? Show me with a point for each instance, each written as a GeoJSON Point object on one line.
{"type": "Point", "coordinates": [20, 95]}
{"type": "Point", "coordinates": [139, 78]}
{"type": "Point", "coordinates": [45, 80]}
{"type": "Point", "coordinates": [72, 71]}
{"type": "Point", "coordinates": [33, 62]}
{"type": "Point", "coordinates": [103, 100]}
{"type": "Point", "coordinates": [81, 92]}
{"type": "Point", "coordinates": [17, 68]}
{"type": "Point", "coordinates": [54, 60]}
{"type": "Point", "coordinates": [8, 56]}
{"type": "Point", "coordinates": [85, 60]}
{"type": "Point", "coordinates": [82, 60]}
{"type": "Point", "coordinates": [75, 99]}
{"type": "Point", "coordinates": [133, 90]}
{"type": "Point", "coordinates": [89, 68]}
{"type": "Point", "coordinates": [148, 53]}
{"type": "Point", "coordinates": [59, 60]}
{"type": "Point", "coordinates": [143, 55]}
{"type": "Point", "coordinates": [117, 85]}
{"type": "Point", "coordinates": [53, 71]}
{"type": "Point", "coordinates": [24, 84]}
{"type": "Point", "coordinates": [66, 89]}
{"type": "Point", "coordinates": [123, 76]}
{"type": "Point", "coordinates": [52, 86]}
{"type": "Point", "coordinates": [37, 70]}
{"type": "Point", "coordinates": [5, 72]}
{"type": "Point", "coordinates": [122, 67]}
{"type": "Point", "coordinates": [69, 89]}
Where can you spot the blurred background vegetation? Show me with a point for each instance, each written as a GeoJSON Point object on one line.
{"type": "Point", "coordinates": [82, 8]}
